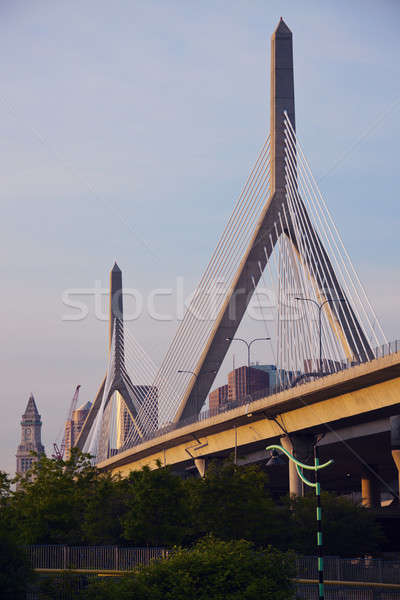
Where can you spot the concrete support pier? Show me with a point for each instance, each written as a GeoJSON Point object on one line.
{"type": "Point", "coordinates": [370, 488]}
{"type": "Point", "coordinates": [395, 444]}
{"type": "Point", "coordinates": [301, 446]}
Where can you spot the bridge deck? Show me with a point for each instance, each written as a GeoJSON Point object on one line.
{"type": "Point", "coordinates": [357, 394]}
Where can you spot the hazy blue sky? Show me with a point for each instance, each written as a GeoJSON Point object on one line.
{"type": "Point", "coordinates": [127, 131]}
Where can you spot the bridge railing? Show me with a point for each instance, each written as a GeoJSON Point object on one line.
{"type": "Point", "coordinates": [389, 348]}
{"type": "Point", "coordinates": [290, 382]}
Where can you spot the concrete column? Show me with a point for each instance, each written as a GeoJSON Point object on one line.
{"type": "Point", "coordinates": [396, 458]}
{"type": "Point", "coordinates": [370, 489]}
{"type": "Point", "coordinates": [301, 446]}
{"type": "Point", "coordinates": [395, 443]}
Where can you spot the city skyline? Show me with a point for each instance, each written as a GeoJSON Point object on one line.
{"type": "Point", "coordinates": [64, 245]}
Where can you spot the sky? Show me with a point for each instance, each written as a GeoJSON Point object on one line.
{"type": "Point", "coordinates": [127, 132]}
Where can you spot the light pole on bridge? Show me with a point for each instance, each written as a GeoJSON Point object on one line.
{"type": "Point", "coordinates": [320, 307]}
{"type": "Point", "coordinates": [248, 344]}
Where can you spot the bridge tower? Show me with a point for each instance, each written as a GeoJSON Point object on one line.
{"type": "Point", "coordinates": [118, 401]}
{"type": "Point", "coordinates": [306, 245]}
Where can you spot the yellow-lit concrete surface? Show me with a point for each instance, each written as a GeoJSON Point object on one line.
{"type": "Point", "coordinates": [364, 391]}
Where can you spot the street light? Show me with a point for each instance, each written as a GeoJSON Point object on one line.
{"type": "Point", "coordinates": [317, 486]}
{"type": "Point", "coordinates": [248, 344]}
{"type": "Point", "coordinates": [320, 306]}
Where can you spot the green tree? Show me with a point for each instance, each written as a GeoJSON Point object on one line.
{"type": "Point", "coordinates": [157, 511]}
{"type": "Point", "coordinates": [5, 487]}
{"type": "Point", "coordinates": [348, 529]}
{"type": "Point", "coordinates": [234, 503]}
{"type": "Point", "coordinates": [105, 508]}
{"type": "Point", "coordinates": [48, 506]}
{"type": "Point", "coordinates": [211, 570]}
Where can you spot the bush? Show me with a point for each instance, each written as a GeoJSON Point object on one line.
{"type": "Point", "coordinates": [211, 570]}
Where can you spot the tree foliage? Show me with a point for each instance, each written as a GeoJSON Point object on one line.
{"type": "Point", "coordinates": [157, 509]}
{"type": "Point", "coordinates": [211, 570]}
{"type": "Point", "coordinates": [234, 503]}
{"type": "Point", "coordinates": [348, 529]}
{"type": "Point", "coordinates": [72, 502]}
{"type": "Point", "coordinates": [48, 506]}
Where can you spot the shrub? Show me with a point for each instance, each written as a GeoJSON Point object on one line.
{"type": "Point", "coordinates": [211, 570]}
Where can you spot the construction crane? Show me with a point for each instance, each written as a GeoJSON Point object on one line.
{"type": "Point", "coordinates": [59, 450]}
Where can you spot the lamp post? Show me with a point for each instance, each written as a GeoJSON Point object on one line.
{"type": "Point", "coordinates": [320, 307]}
{"type": "Point", "coordinates": [317, 486]}
{"type": "Point", "coordinates": [248, 344]}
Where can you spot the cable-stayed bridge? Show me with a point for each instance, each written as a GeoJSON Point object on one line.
{"type": "Point", "coordinates": [329, 369]}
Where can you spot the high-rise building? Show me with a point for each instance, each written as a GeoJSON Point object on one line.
{"type": "Point", "coordinates": [241, 382]}
{"type": "Point", "coordinates": [244, 381]}
{"type": "Point", "coordinates": [73, 427]}
{"type": "Point", "coordinates": [218, 397]}
{"type": "Point", "coordinates": [273, 372]}
{"type": "Point", "coordinates": [31, 439]}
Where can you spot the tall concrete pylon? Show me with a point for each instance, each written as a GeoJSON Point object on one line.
{"type": "Point", "coordinates": [261, 245]}
{"type": "Point", "coordinates": [282, 99]}
{"type": "Point", "coordinates": [116, 309]}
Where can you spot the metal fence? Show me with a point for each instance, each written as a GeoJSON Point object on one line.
{"type": "Point", "coordinates": [108, 558]}
{"type": "Point", "coordinates": [372, 575]}
{"type": "Point", "coordinates": [114, 558]}
{"type": "Point", "coordinates": [350, 569]}
{"type": "Point", "coordinates": [305, 591]}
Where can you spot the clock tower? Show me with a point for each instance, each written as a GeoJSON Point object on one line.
{"type": "Point", "coordinates": [31, 426]}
